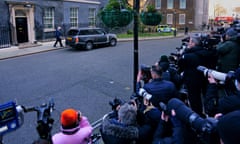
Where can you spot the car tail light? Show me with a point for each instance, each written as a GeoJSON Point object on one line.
{"type": "Point", "coordinates": [76, 40]}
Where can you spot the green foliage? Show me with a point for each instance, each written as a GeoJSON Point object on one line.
{"type": "Point", "coordinates": [116, 14]}
{"type": "Point", "coordinates": [151, 8]}
{"type": "Point", "coordinates": [112, 5]}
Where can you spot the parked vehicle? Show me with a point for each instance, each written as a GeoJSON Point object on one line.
{"type": "Point", "coordinates": [165, 28]}
{"type": "Point", "coordinates": [88, 38]}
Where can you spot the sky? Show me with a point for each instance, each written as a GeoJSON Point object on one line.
{"type": "Point", "coordinates": [228, 4]}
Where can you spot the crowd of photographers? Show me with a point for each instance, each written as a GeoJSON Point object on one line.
{"type": "Point", "coordinates": [192, 96]}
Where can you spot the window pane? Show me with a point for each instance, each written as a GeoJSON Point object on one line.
{"type": "Point", "coordinates": [181, 18]}
{"type": "Point", "coordinates": [92, 16]}
{"type": "Point", "coordinates": [182, 4]}
{"type": "Point", "coordinates": [48, 18]}
{"type": "Point", "coordinates": [74, 17]}
{"type": "Point", "coordinates": [169, 18]}
{"type": "Point", "coordinates": [158, 4]}
{"type": "Point", "coordinates": [170, 4]}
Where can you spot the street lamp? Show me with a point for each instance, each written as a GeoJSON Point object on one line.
{"type": "Point", "coordinates": [175, 23]}
{"type": "Point", "coordinates": [135, 44]}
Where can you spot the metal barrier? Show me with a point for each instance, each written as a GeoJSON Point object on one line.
{"type": "Point", "coordinates": [4, 37]}
{"type": "Point", "coordinates": [96, 136]}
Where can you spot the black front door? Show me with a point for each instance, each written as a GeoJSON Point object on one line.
{"type": "Point", "coordinates": [22, 31]}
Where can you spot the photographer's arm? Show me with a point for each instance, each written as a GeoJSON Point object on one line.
{"type": "Point", "coordinates": [139, 83]}
{"type": "Point", "coordinates": [211, 98]}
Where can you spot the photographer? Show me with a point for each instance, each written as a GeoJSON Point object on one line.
{"type": "Point", "coordinates": [170, 72]}
{"type": "Point", "coordinates": [75, 128]}
{"type": "Point", "coordinates": [169, 130]}
{"type": "Point", "coordinates": [161, 90]}
{"type": "Point", "coordinates": [228, 52]}
{"type": "Point", "coordinates": [215, 104]}
{"type": "Point", "coordinates": [194, 81]}
{"type": "Point", "coordinates": [197, 130]}
{"type": "Point", "coordinates": [125, 129]}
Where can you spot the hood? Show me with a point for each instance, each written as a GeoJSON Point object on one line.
{"type": "Point", "coordinates": [113, 128]}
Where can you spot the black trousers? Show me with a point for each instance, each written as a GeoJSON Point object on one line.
{"type": "Point", "coordinates": [58, 40]}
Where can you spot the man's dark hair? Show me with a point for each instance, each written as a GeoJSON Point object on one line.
{"type": "Point", "coordinates": [157, 69]}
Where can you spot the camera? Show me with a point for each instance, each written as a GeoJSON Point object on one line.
{"type": "Point", "coordinates": [142, 92]}
{"type": "Point", "coordinates": [11, 117]}
{"type": "Point", "coordinates": [115, 103]}
{"type": "Point", "coordinates": [222, 77]}
{"type": "Point", "coordinates": [210, 42]}
{"type": "Point", "coordinates": [206, 129]}
{"type": "Point", "coordinates": [146, 73]}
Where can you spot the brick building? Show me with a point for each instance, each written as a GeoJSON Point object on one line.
{"type": "Point", "coordinates": [182, 13]}
{"type": "Point", "coordinates": [28, 21]}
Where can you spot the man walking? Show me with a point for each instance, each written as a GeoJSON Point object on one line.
{"type": "Point", "coordinates": [58, 35]}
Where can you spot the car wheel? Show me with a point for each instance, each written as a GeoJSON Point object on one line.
{"type": "Point", "coordinates": [89, 45]}
{"type": "Point", "coordinates": [113, 42]}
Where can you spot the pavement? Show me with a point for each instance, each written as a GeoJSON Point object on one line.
{"type": "Point", "coordinates": [28, 49]}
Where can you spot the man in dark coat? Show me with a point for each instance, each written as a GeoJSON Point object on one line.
{"type": "Point", "coordinates": [193, 79]}
{"type": "Point", "coordinates": [58, 35]}
{"type": "Point", "coordinates": [161, 90]}
{"type": "Point", "coordinates": [229, 52]}
{"type": "Point", "coordinates": [124, 130]}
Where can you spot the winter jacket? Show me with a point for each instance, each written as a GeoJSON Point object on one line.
{"type": "Point", "coordinates": [79, 135]}
{"type": "Point", "coordinates": [224, 105]}
{"type": "Point", "coordinates": [114, 132]}
{"type": "Point", "coordinates": [228, 55]}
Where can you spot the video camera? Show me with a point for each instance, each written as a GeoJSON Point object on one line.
{"type": "Point", "coordinates": [204, 128]}
{"type": "Point", "coordinates": [222, 77]}
{"type": "Point", "coordinates": [11, 117]}
{"type": "Point", "coordinates": [209, 42]}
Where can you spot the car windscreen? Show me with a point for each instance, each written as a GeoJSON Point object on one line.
{"type": "Point", "coordinates": [72, 32]}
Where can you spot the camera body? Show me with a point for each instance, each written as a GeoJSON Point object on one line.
{"type": "Point", "coordinates": [210, 42]}
{"type": "Point", "coordinates": [206, 129]}
{"type": "Point", "coordinates": [146, 73]}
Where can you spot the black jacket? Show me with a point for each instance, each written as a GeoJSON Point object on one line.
{"type": "Point", "coordinates": [163, 135]}
{"type": "Point", "coordinates": [224, 105]}
{"type": "Point", "coordinates": [194, 57]}
{"type": "Point", "coordinates": [161, 91]}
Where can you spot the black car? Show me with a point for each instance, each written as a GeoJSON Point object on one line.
{"type": "Point", "coordinates": [89, 37]}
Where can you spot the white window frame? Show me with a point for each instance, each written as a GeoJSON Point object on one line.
{"type": "Point", "coordinates": [48, 19]}
{"type": "Point", "coordinates": [170, 4]}
{"type": "Point", "coordinates": [182, 19]}
{"type": "Point", "coordinates": [158, 4]}
{"type": "Point", "coordinates": [182, 4]}
{"type": "Point", "coordinates": [170, 19]}
{"type": "Point", "coordinates": [74, 17]}
{"type": "Point", "coordinates": [92, 16]}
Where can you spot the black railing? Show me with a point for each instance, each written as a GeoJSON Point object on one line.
{"type": "Point", "coordinates": [4, 37]}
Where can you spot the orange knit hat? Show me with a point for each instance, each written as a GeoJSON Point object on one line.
{"type": "Point", "coordinates": [69, 117]}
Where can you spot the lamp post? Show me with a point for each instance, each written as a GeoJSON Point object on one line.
{"type": "Point", "coordinates": [175, 23]}
{"type": "Point", "coordinates": [135, 44]}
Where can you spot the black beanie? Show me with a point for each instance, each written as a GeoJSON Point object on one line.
{"type": "Point", "coordinates": [229, 127]}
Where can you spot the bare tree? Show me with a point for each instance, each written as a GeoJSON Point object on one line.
{"type": "Point", "coordinates": [237, 10]}
{"type": "Point", "coordinates": [219, 10]}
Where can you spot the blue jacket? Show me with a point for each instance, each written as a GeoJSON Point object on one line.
{"type": "Point", "coordinates": [161, 91]}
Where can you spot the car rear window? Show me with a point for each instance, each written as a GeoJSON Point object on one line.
{"type": "Point", "coordinates": [73, 32]}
